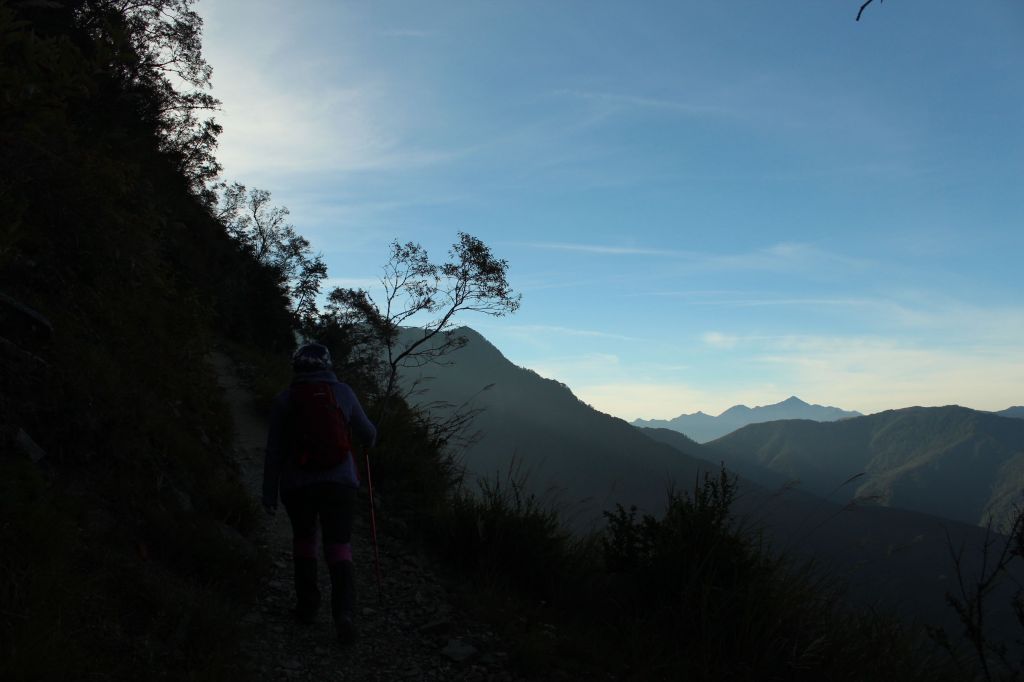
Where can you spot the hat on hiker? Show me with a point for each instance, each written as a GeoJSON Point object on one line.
{"type": "Point", "coordinates": [311, 357]}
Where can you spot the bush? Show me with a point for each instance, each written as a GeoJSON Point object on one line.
{"type": "Point", "coordinates": [696, 593]}
{"type": "Point", "coordinates": [503, 532]}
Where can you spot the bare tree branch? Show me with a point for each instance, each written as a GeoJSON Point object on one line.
{"type": "Point", "coordinates": [864, 6]}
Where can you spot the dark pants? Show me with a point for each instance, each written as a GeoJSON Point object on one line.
{"type": "Point", "coordinates": [332, 505]}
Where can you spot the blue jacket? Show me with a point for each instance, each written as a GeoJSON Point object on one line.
{"type": "Point", "coordinates": [280, 475]}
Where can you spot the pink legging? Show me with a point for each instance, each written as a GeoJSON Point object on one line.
{"type": "Point", "coordinates": [330, 503]}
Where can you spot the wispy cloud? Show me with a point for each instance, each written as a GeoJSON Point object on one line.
{"type": "Point", "coordinates": [860, 373]}
{"type": "Point", "coordinates": [784, 256]}
{"type": "Point", "coordinates": [550, 330]}
{"type": "Point", "coordinates": [333, 131]}
{"type": "Point", "coordinates": [606, 250]}
{"type": "Point", "coordinates": [290, 107]}
{"type": "Point", "coordinates": [405, 33]}
{"type": "Point", "coordinates": [852, 371]}
{"type": "Point", "coordinates": [625, 100]}
{"type": "Point", "coordinates": [720, 340]}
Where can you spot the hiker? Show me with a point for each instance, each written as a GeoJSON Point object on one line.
{"type": "Point", "coordinates": [309, 459]}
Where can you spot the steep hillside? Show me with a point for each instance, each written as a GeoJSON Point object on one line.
{"type": "Point", "coordinates": [946, 461]}
{"type": "Point", "coordinates": [126, 534]}
{"type": "Point", "coordinates": [704, 427]}
{"type": "Point", "coordinates": [586, 459]}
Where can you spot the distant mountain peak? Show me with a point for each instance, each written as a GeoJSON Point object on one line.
{"type": "Point", "coordinates": [702, 427]}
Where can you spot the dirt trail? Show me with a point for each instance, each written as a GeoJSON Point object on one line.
{"type": "Point", "coordinates": [414, 634]}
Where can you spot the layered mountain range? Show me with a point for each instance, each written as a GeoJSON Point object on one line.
{"type": "Point", "coordinates": [703, 427]}
{"type": "Point", "coordinates": [949, 461]}
{"type": "Point", "coordinates": [586, 462]}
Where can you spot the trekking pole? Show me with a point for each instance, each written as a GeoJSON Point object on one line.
{"type": "Point", "coordinates": [373, 529]}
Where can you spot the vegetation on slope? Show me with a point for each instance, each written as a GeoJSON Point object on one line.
{"type": "Point", "coordinates": [124, 547]}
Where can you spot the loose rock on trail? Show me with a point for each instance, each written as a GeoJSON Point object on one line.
{"type": "Point", "coordinates": [414, 633]}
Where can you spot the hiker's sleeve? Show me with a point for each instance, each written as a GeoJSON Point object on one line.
{"type": "Point", "coordinates": [360, 423]}
{"type": "Point", "coordinates": [273, 458]}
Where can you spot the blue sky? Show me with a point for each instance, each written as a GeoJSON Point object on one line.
{"type": "Point", "coordinates": [702, 203]}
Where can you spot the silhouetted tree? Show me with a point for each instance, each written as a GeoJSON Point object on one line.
{"type": "Point", "coordinates": [263, 230]}
{"type": "Point", "coordinates": [427, 296]}
{"type": "Point", "coordinates": [156, 45]}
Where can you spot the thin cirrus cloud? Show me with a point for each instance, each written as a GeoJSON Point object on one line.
{"type": "Point", "coordinates": [852, 368]}
{"type": "Point", "coordinates": [406, 33]}
{"type": "Point", "coordinates": [770, 101]}
{"type": "Point", "coordinates": [611, 100]}
{"type": "Point", "coordinates": [606, 250]}
{"type": "Point", "coordinates": [781, 256]}
{"type": "Point", "coordinates": [846, 371]}
{"type": "Point", "coordinates": [553, 330]}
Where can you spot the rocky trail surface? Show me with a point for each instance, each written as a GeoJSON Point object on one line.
{"type": "Point", "coordinates": [413, 633]}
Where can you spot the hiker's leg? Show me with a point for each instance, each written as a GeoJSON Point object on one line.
{"type": "Point", "coordinates": [337, 504]}
{"type": "Point", "coordinates": [301, 508]}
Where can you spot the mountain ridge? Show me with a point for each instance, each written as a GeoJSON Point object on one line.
{"type": "Point", "coordinates": [950, 461]}
{"type": "Point", "coordinates": [585, 458]}
{"type": "Point", "coordinates": [702, 427]}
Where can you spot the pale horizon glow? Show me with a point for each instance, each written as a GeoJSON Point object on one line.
{"type": "Point", "coordinates": [703, 204]}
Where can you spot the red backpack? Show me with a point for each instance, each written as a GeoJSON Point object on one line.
{"type": "Point", "coordinates": [317, 428]}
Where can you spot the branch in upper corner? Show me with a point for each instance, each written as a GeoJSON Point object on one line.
{"type": "Point", "coordinates": [863, 6]}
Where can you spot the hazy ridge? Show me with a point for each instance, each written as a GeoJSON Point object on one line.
{"type": "Point", "coordinates": [949, 461]}
{"type": "Point", "coordinates": [703, 427]}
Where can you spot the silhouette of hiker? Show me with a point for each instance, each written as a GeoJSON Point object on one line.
{"type": "Point", "coordinates": [309, 460]}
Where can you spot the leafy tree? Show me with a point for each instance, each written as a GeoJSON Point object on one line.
{"type": "Point", "coordinates": [425, 295]}
{"type": "Point", "coordinates": [263, 230]}
{"type": "Point", "coordinates": [156, 46]}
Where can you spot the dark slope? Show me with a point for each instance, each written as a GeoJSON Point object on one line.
{"type": "Point", "coordinates": [1016, 412]}
{"type": "Point", "coordinates": [947, 461]}
{"type": "Point", "coordinates": [703, 427]}
{"type": "Point", "coordinates": [890, 560]}
{"type": "Point", "coordinates": [125, 534]}
{"type": "Point", "coordinates": [749, 471]}
{"type": "Point", "coordinates": [590, 459]}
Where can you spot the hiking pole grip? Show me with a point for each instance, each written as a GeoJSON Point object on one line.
{"type": "Point", "coordinates": [373, 528]}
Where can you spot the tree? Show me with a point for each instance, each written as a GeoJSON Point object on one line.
{"type": "Point", "coordinates": [156, 46]}
{"type": "Point", "coordinates": [425, 295]}
{"type": "Point", "coordinates": [263, 230]}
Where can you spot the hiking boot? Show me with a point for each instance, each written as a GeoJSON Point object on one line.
{"type": "Point", "coordinates": [307, 594]}
{"type": "Point", "coordinates": [343, 599]}
{"type": "Point", "coordinates": [343, 589]}
{"type": "Point", "coordinates": [345, 628]}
